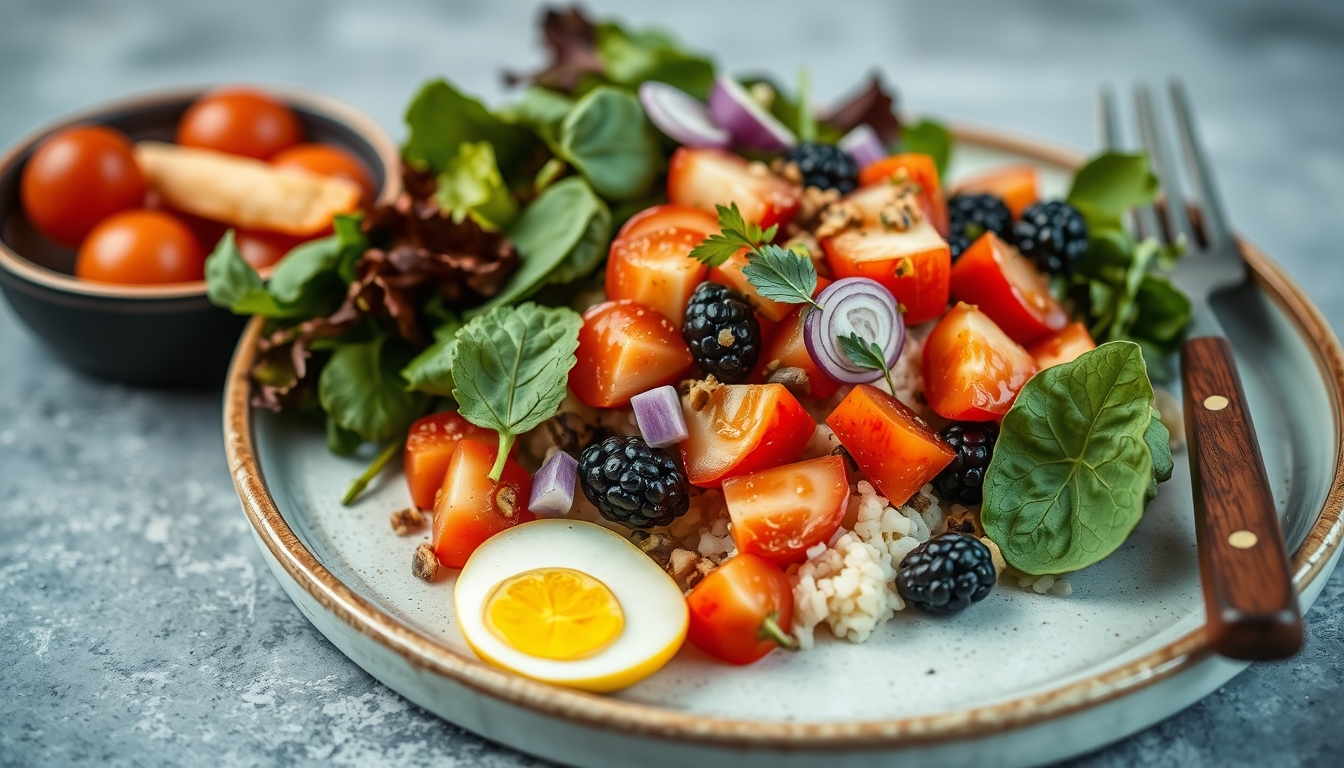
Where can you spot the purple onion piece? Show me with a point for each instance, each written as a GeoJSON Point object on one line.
{"type": "Point", "coordinates": [751, 126]}
{"type": "Point", "coordinates": [553, 486]}
{"type": "Point", "coordinates": [853, 305]}
{"type": "Point", "coordinates": [864, 145]}
{"type": "Point", "coordinates": [681, 116]}
{"type": "Point", "coordinates": [658, 414]}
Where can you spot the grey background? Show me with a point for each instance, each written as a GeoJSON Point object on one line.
{"type": "Point", "coordinates": [138, 625]}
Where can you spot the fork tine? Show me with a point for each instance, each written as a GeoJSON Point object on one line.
{"type": "Point", "coordinates": [1108, 118]}
{"type": "Point", "coordinates": [1212, 217]}
{"type": "Point", "coordinates": [1177, 218]}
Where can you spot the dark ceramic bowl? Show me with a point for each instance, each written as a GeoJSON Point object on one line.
{"type": "Point", "coordinates": [150, 335]}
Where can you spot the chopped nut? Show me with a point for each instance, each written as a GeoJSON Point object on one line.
{"type": "Point", "coordinates": [794, 379]}
{"type": "Point", "coordinates": [658, 546]}
{"type": "Point", "coordinates": [813, 202]}
{"type": "Point", "coordinates": [965, 521]}
{"type": "Point", "coordinates": [507, 499]}
{"type": "Point", "coordinates": [407, 521]}
{"type": "Point", "coordinates": [705, 566]}
{"type": "Point", "coordinates": [804, 243]}
{"type": "Point", "coordinates": [725, 337]}
{"type": "Point", "coordinates": [569, 432]}
{"type": "Point", "coordinates": [788, 170]}
{"type": "Point", "coordinates": [700, 391]}
{"type": "Point", "coordinates": [757, 168]}
{"type": "Point", "coordinates": [919, 502]}
{"type": "Point", "coordinates": [994, 554]}
{"type": "Point", "coordinates": [687, 567]}
{"type": "Point", "coordinates": [837, 218]}
{"type": "Point", "coordinates": [425, 565]}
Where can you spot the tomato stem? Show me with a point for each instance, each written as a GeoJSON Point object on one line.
{"type": "Point", "coordinates": [362, 482]}
{"type": "Point", "coordinates": [505, 444]}
{"type": "Point", "coordinates": [770, 630]}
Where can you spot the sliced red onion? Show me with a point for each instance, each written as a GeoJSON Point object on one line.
{"type": "Point", "coordinates": [751, 126]}
{"type": "Point", "coordinates": [864, 145]}
{"type": "Point", "coordinates": [853, 305]}
{"type": "Point", "coordinates": [553, 486]}
{"type": "Point", "coordinates": [658, 414]}
{"type": "Point", "coordinates": [681, 116]}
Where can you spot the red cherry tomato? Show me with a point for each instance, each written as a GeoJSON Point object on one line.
{"type": "Point", "coordinates": [895, 448]}
{"type": "Point", "coordinates": [1007, 286]}
{"type": "Point", "coordinates": [656, 270]}
{"type": "Point", "coordinates": [741, 611]}
{"type": "Point", "coordinates": [140, 247]}
{"type": "Point", "coordinates": [429, 447]}
{"type": "Point", "coordinates": [471, 508]}
{"type": "Point", "coordinates": [972, 370]}
{"type": "Point", "coordinates": [780, 513]}
{"type": "Point", "coordinates": [743, 428]}
{"type": "Point", "coordinates": [1063, 347]}
{"type": "Point", "coordinates": [77, 178]}
{"type": "Point", "coordinates": [262, 249]}
{"type": "Point", "coordinates": [240, 122]}
{"type": "Point", "coordinates": [327, 160]}
{"type": "Point", "coordinates": [625, 348]}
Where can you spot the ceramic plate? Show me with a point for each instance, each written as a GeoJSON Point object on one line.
{"type": "Point", "coordinates": [1022, 679]}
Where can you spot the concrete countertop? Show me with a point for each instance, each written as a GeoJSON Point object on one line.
{"type": "Point", "coordinates": [138, 625]}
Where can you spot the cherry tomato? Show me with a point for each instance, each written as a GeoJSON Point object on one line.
{"type": "Point", "coordinates": [429, 447]}
{"type": "Point", "coordinates": [327, 160]}
{"type": "Point", "coordinates": [471, 508]}
{"type": "Point", "coordinates": [780, 513]}
{"type": "Point", "coordinates": [261, 249]}
{"type": "Point", "coordinates": [77, 178]}
{"type": "Point", "coordinates": [669, 216]}
{"type": "Point", "coordinates": [972, 369]}
{"type": "Point", "coordinates": [1062, 347]}
{"type": "Point", "coordinates": [140, 247]}
{"type": "Point", "coordinates": [240, 122]}
{"type": "Point", "coordinates": [1007, 286]}
{"type": "Point", "coordinates": [923, 171]}
{"type": "Point", "coordinates": [656, 270]}
{"type": "Point", "coordinates": [743, 428]}
{"type": "Point", "coordinates": [625, 348]}
{"type": "Point", "coordinates": [741, 611]}
{"type": "Point", "coordinates": [895, 448]}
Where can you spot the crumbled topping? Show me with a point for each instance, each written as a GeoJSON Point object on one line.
{"type": "Point", "coordinates": [838, 217]}
{"type": "Point", "coordinates": [687, 568]}
{"type": "Point", "coordinates": [902, 211]}
{"type": "Point", "coordinates": [658, 546]}
{"type": "Point", "coordinates": [569, 432]}
{"type": "Point", "coordinates": [963, 520]}
{"type": "Point", "coordinates": [757, 168]}
{"type": "Point", "coordinates": [725, 337]}
{"type": "Point", "coordinates": [919, 502]}
{"type": "Point", "coordinates": [804, 243]}
{"type": "Point", "coordinates": [425, 565]}
{"type": "Point", "coordinates": [507, 500]}
{"type": "Point", "coordinates": [788, 170]}
{"type": "Point", "coordinates": [407, 521]}
{"type": "Point", "coordinates": [699, 391]}
{"type": "Point", "coordinates": [794, 379]}
{"type": "Point", "coordinates": [813, 203]}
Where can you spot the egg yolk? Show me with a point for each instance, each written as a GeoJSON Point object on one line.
{"type": "Point", "coordinates": [554, 613]}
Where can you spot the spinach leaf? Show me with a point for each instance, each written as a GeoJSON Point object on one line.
{"type": "Point", "coordinates": [441, 119]}
{"type": "Point", "coordinates": [340, 440]}
{"type": "Point", "coordinates": [431, 371]}
{"type": "Point", "coordinates": [511, 368]}
{"type": "Point", "coordinates": [929, 137]}
{"type": "Point", "coordinates": [471, 185]}
{"type": "Point", "coordinates": [631, 58]}
{"type": "Point", "coordinates": [1071, 468]}
{"type": "Point", "coordinates": [362, 391]}
{"type": "Point", "coordinates": [1109, 185]}
{"type": "Point", "coordinates": [541, 111]}
{"type": "Point", "coordinates": [1158, 439]}
{"type": "Point", "coordinates": [233, 284]}
{"type": "Point", "coordinates": [607, 138]}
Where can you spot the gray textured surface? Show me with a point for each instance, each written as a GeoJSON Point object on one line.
{"type": "Point", "coordinates": [138, 625]}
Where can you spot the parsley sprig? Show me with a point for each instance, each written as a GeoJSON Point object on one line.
{"type": "Point", "coordinates": [867, 355]}
{"type": "Point", "coordinates": [778, 273]}
{"type": "Point", "coordinates": [737, 233]}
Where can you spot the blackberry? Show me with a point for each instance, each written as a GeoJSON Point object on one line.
{"type": "Point", "coordinates": [970, 216]}
{"type": "Point", "coordinates": [962, 480]}
{"type": "Point", "coordinates": [633, 484]}
{"type": "Point", "coordinates": [1053, 235]}
{"type": "Point", "coordinates": [722, 332]}
{"type": "Point", "coordinates": [946, 573]}
{"type": "Point", "coordinates": [825, 166]}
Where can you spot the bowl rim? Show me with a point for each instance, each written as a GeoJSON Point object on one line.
{"type": "Point", "coordinates": [606, 713]}
{"type": "Point", "coordinates": [310, 101]}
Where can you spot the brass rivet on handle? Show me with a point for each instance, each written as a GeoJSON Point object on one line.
{"type": "Point", "coordinates": [1215, 402]}
{"type": "Point", "coordinates": [1243, 539]}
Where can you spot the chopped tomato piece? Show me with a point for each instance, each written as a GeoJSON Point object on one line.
{"type": "Point", "coordinates": [1007, 286]}
{"type": "Point", "coordinates": [741, 611]}
{"type": "Point", "coordinates": [669, 216]}
{"type": "Point", "coordinates": [656, 270]}
{"type": "Point", "coordinates": [780, 513]}
{"type": "Point", "coordinates": [893, 446]}
{"type": "Point", "coordinates": [923, 171]}
{"type": "Point", "coordinates": [429, 447]}
{"type": "Point", "coordinates": [471, 508]}
{"type": "Point", "coordinates": [1015, 185]}
{"type": "Point", "coordinates": [743, 428]}
{"type": "Point", "coordinates": [703, 178]}
{"type": "Point", "coordinates": [1062, 347]}
{"type": "Point", "coordinates": [625, 348]}
{"type": "Point", "coordinates": [787, 345]}
{"type": "Point", "coordinates": [914, 265]}
{"type": "Point", "coordinates": [972, 370]}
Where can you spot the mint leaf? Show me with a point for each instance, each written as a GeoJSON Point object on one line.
{"type": "Point", "coordinates": [441, 119]}
{"type": "Point", "coordinates": [511, 368]}
{"type": "Point", "coordinates": [362, 391]}
{"type": "Point", "coordinates": [782, 275]}
{"type": "Point", "coordinates": [929, 137]}
{"type": "Point", "coordinates": [471, 185]}
{"type": "Point", "coordinates": [735, 234]}
{"type": "Point", "coordinates": [607, 138]}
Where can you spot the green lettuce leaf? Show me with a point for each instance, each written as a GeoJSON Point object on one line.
{"type": "Point", "coordinates": [471, 185]}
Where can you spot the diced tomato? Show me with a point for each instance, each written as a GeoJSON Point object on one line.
{"type": "Point", "coordinates": [923, 171]}
{"type": "Point", "coordinates": [741, 611]}
{"type": "Point", "coordinates": [429, 447]}
{"type": "Point", "coordinates": [743, 428]}
{"type": "Point", "coordinates": [703, 178]}
{"type": "Point", "coordinates": [471, 508]}
{"type": "Point", "coordinates": [972, 370]}
{"type": "Point", "coordinates": [625, 348]}
{"type": "Point", "coordinates": [779, 513]}
{"type": "Point", "coordinates": [669, 216]}
{"type": "Point", "coordinates": [729, 273]}
{"type": "Point", "coordinates": [1016, 185]}
{"type": "Point", "coordinates": [896, 449]}
{"type": "Point", "coordinates": [1007, 286]}
{"type": "Point", "coordinates": [1062, 347]}
{"type": "Point", "coordinates": [914, 265]}
{"type": "Point", "coordinates": [656, 270]}
{"type": "Point", "coordinates": [787, 345]}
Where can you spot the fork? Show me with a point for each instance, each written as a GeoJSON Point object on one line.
{"type": "Point", "coordinates": [1249, 597]}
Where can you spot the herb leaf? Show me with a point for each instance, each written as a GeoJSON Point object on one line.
{"type": "Point", "coordinates": [631, 58]}
{"type": "Point", "coordinates": [362, 391]}
{"type": "Point", "coordinates": [866, 354]}
{"type": "Point", "coordinates": [431, 371]}
{"type": "Point", "coordinates": [929, 137]}
{"type": "Point", "coordinates": [471, 185]}
{"type": "Point", "coordinates": [233, 284]}
{"type": "Point", "coordinates": [1071, 468]}
{"type": "Point", "coordinates": [735, 234]}
{"type": "Point", "coordinates": [441, 119]}
{"type": "Point", "coordinates": [1109, 185]}
{"type": "Point", "coordinates": [511, 367]}
{"type": "Point", "coordinates": [608, 139]}
{"type": "Point", "coordinates": [782, 275]}
{"type": "Point", "coordinates": [1158, 439]}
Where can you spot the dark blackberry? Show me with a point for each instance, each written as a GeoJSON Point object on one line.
{"type": "Point", "coordinates": [722, 332]}
{"type": "Point", "coordinates": [633, 484]}
{"type": "Point", "coordinates": [963, 479]}
{"type": "Point", "coordinates": [825, 166]}
{"type": "Point", "coordinates": [970, 216]}
{"type": "Point", "coordinates": [946, 573]}
{"type": "Point", "coordinates": [1053, 235]}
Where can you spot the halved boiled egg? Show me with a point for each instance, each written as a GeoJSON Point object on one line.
{"type": "Point", "coordinates": [570, 603]}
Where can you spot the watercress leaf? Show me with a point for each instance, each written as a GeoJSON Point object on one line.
{"type": "Point", "coordinates": [471, 185]}
{"type": "Point", "coordinates": [361, 389]}
{"type": "Point", "coordinates": [233, 284]}
{"type": "Point", "coordinates": [1071, 469]}
{"type": "Point", "coordinates": [781, 274]}
{"type": "Point", "coordinates": [341, 441]}
{"type": "Point", "coordinates": [431, 371]}
{"type": "Point", "coordinates": [607, 138]}
{"type": "Point", "coordinates": [929, 137]}
{"type": "Point", "coordinates": [1109, 185]}
{"type": "Point", "coordinates": [441, 118]}
{"type": "Point", "coordinates": [1158, 439]}
{"type": "Point", "coordinates": [631, 58]}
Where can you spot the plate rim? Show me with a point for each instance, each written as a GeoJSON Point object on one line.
{"type": "Point", "coordinates": [421, 651]}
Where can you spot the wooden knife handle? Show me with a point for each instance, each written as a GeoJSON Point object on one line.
{"type": "Point", "coordinates": [1248, 588]}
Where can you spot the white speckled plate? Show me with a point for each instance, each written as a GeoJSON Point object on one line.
{"type": "Point", "coordinates": [1022, 679]}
